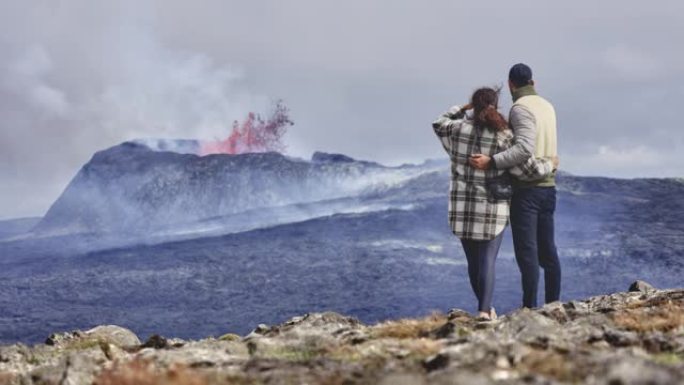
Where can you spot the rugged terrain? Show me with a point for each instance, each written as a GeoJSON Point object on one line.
{"type": "Point", "coordinates": [634, 337]}
{"type": "Point", "coordinates": [366, 240]}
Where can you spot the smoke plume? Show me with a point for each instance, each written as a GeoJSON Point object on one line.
{"type": "Point", "coordinates": [78, 77]}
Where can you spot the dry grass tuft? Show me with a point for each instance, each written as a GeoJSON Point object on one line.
{"type": "Point", "coordinates": [669, 358]}
{"type": "Point", "coordinates": [409, 328]}
{"type": "Point", "coordinates": [140, 372]}
{"type": "Point", "coordinates": [664, 317]}
{"type": "Point", "coordinates": [406, 350]}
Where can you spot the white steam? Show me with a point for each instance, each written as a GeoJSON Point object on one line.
{"type": "Point", "coordinates": [94, 75]}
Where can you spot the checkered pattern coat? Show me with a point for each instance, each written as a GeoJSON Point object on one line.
{"type": "Point", "coordinates": [473, 214]}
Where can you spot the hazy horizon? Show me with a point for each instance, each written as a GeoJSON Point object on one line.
{"type": "Point", "coordinates": [362, 79]}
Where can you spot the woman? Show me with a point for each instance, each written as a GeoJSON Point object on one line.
{"type": "Point", "coordinates": [477, 215]}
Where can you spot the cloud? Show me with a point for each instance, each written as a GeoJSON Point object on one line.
{"type": "Point", "coordinates": [362, 78]}
{"type": "Point", "coordinates": [25, 76]}
{"type": "Point", "coordinates": [624, 161]}
{"type": "Point", "coordinates": [632, 64]}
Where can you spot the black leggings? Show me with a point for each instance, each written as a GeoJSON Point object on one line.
{"type": "Point", "coordinates": [481, 257]}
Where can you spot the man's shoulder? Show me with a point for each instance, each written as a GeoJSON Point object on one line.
{"type": "Point", "coordinates": [545, 101]}
{"type": "Point", "coordinates": [520, 111]}
{"type": "Point", "coordinates": [519, 107]}
{"type": "Point", "coordinates": [531, 104]}
{"type": "Point", "coordinates": [531, 100]}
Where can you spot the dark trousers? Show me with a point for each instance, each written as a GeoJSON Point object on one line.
{"type": "Point", "coordinates": [532, 212]}
{"type": "Point", "coordinates": [481, 256]}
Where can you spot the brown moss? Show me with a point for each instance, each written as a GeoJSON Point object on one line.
{"type": "Point", "coordinates": [6, 378]}
{"type": "Point", "coordinates": [230, 337]}
{"type": "Point", "coordinates": [140, 372]}
{"type": "Point", "coordinates": [665, 316]}
{"type": "Point", "coordinates": [409, 328]}
{"type": "Point", "coordinates": [551, 365]}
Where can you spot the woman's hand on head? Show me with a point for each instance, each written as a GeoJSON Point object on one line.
{"type": "Point", "coordinates": [467, 107]}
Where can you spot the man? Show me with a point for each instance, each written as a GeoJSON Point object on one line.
{"type": "Point", "coordinates": [533, 120]}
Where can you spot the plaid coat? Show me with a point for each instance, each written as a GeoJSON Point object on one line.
{"type": "Point", "coordinates": [473, 214]}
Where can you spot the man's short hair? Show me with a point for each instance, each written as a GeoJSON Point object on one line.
{"type": "Point", "coordinates": [520, 75]}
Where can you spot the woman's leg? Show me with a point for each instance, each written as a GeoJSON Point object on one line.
{"type": "Point", "coordinates": [481, 256]}
{"type": "Point", "coordinates": [472, 256]}
{"type": "Point", "coordinates": [488, 251]}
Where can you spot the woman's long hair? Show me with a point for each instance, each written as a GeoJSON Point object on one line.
{"type": "Point", "coordinates": [485, 102]}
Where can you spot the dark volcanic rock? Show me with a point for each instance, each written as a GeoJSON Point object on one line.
{"type": "Point", "coordinates": [326, 157]}
{"type": "Point", "coordinates": [641, 286]}
{"type": "Point", "coordinates": [156, 342]}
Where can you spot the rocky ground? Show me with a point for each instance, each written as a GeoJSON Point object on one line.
{"type": "Point", "coordinates": [634, 337]}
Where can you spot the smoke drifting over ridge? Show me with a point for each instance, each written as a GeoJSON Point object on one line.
{"type": "Point", "coordinates": [65, 95]}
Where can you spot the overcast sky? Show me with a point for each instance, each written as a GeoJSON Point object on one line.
{"type": "Point", "coordinates": [361, 77]}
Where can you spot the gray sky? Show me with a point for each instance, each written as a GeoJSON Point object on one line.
{"type": "Point", "coordinates": [361, 77]}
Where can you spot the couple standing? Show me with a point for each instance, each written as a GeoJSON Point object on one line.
{"type": "Point", "coordinates": [501, 167]}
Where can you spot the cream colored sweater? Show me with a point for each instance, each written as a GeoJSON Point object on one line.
{"type": "Point", "coordinates": [546, 142]}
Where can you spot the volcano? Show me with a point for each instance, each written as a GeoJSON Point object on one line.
{"type": "Point", "coordinates": [143, 185]}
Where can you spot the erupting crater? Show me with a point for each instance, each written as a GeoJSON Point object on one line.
{"type": "Point", "coordinates": [254, 134]}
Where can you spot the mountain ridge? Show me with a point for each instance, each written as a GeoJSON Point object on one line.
{"type": "Point", "coordinates": [132, 186]}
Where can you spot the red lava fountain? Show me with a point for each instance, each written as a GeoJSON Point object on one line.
{"type": "Point", "coordinates": [254, 134]}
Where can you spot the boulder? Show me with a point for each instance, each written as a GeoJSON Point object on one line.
{"type": "Point", "coordinates": [111, 334]}
{"type": "Point", "coordinates": [642, 287]}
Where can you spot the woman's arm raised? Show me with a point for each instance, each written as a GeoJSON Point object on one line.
{"type": "Point", "coordinates": [450, 120]}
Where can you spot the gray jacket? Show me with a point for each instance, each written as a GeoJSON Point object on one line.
{"type": "Point", "coordinates": [525, 128]}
